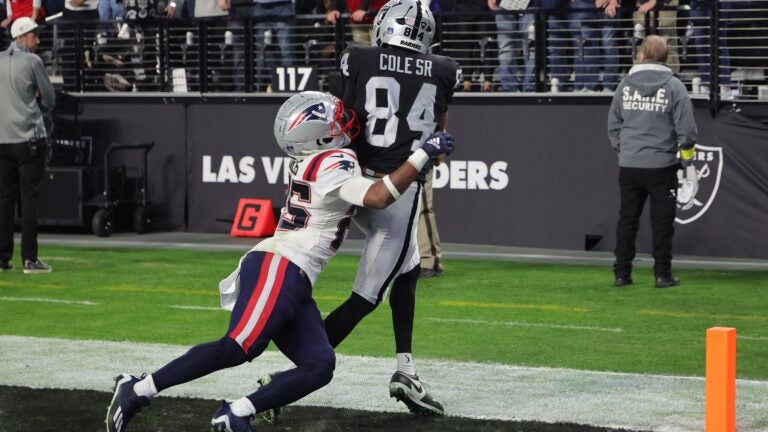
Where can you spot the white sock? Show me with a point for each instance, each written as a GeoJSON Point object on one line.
{"type": "Point", "coordinates": [405, 363]}
{"type": "Point", "coordinates": [242, 407]}
{"type": "Point", "coordinates": [146, 387]}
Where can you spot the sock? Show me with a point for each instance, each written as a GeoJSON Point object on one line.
{"type": "Point", "coordinates": [242, 407]}
{"type": "Point", "coordinates": [145, 387]}
{"type": "Point", "coordinates": [405, 363]}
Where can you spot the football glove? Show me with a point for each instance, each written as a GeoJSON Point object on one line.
{"type": "Point", "coordinates": [438, 143]}
{"type": "Point", "coordinates": [686, 156]}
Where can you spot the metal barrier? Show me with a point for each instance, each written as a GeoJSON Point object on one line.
{"type": "Point", "coordinates": [714, 45]}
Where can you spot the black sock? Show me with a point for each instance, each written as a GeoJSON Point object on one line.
{"type": "Point", "coordinates": [340, 323]}
{"type": "Point", "coordinates": [402, 300]}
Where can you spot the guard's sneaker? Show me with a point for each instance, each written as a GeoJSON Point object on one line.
{"type": "Point", "coordinates": [623, 281]}
{"type": "Point", "coordinates": [224, 421]}
{"type": "Point", "coordinates": [36, 266]}
{"type": "Point", "coordinates": [6, 266]}
{"type": "Point", "coordinates": [667, 281]}
{"type": "Point", "coordinates": [410, 391]}
{"type": "Point", "coordinates": [125, 403]}
{"type": "Point", "coordinates": [270, 416]}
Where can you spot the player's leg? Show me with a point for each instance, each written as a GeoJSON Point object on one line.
{"type": "Point", "coordinates": [305, 343]}
{"type": "Point", "coordinates": [663, 206]}
{"type": "Point", "coordinates": [262, 286]}
{"type": "Point", "coordinates": [633, 196]}
{"type": "Point", "coordinates": [303, 322]}
{"type": "Point", "coordinates": [384, 251]}
{"type": "Point", "coordinates": [404, 384]}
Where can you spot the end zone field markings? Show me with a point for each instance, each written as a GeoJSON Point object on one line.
{"type": "Point", "coordinates": [49, 300]}
{"type": "Point", "coordinates": [526, 324]}
{"type": "Point", "coordinates": [543, 307]}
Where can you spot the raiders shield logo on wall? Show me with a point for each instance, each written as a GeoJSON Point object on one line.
{"type": "Point", "coordinates": [698, 187]}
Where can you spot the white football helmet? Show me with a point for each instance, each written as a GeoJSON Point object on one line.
{"type": "Point", "coordinates": [311, 121]}
{"type": "Point", "coordinates": [406, 24]}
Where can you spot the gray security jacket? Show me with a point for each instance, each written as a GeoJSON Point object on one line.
{"type": "Point", "coordinates": [651, 117]}
{"type": "Point", "coordinates": [22, 73]}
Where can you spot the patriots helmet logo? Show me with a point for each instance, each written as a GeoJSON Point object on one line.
{"type": "Point", "coordinates": [316, 112]}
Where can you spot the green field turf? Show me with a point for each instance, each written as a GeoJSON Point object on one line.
{"type": "Point", "coordinates": [517, 314]}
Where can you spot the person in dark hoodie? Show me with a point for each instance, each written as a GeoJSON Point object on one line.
{"type": "Point", "coordinates": [650, 120]}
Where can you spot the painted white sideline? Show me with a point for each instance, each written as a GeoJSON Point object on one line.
{"type": "Point", "coordinates": [647, 402]}
{"type": "Point", "coordinates": [48, 300]}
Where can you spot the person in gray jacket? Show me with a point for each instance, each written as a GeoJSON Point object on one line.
{"type": "Point", "coordinates": [22, 142]}
{"type": "Point", "coordinates": [650, 120]}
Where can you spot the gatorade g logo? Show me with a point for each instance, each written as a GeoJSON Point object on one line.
{"type": "Point", "coordinates": [254, 218]}
{"type": "Point", "coordinates": [709, 169]}
{"type": "Point", "coordinates": [248, 216]}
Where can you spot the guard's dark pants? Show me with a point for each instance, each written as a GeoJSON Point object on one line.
{"type": "Point", "coordinates": [637, 184]}
{"type": "Point", "coordinates": [21, 171]}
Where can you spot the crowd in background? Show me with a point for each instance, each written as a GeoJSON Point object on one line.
{"type": "Point", "coordinates": [590, 44]}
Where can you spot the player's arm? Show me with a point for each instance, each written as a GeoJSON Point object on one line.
{"type": "Point", "coordinates": [380, 194]}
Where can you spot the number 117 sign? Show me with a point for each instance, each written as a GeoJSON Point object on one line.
{"type": "Point", "coordinates": [294, 78]}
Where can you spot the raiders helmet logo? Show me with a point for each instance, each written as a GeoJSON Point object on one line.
{"type": "Point", "coordinates": [698, 185]}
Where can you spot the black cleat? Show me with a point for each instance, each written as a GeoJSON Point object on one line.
{"type": "Point", "coordinates": [270, 416]}
{"type": "Point", "coordinates": [410, 391]}
{"type": "Point", "coordinates": [125, 403]}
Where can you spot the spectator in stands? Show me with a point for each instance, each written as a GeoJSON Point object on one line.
{"type": "Point", "coordinates": [516, 38]}
{"type": "Point", "coordinates": [109, 10]}
{"type": "Point", "coordinates": [585, 33]}
{"type": "Point", "coordinates": [473, 42]}
{"type": "Point", "coordinates": [81, 10]}
{"type": "Point", "coordinates": [280, 15]}
{"type": "Point", "coordinates": [667, 26]}
{"type": "Point", "coordinates": [608, 42]}
{"type": "Point", "coordinates": [650, 120]}
{"type": "Point", "coordinates": [701, 43]}
{"type": "Point", "coordinates": [361, 16]}
{"type": "Point", "coordinates": [16, 9]}
{"type": "Point", "coordinates": [22, 142]}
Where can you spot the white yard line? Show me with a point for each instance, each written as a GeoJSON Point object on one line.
{"type": "Point", "coordinates": [526, 324]}
{"type": "Point", "coordinates": [48, 300]}
{"type": "Point", "coordinates": [475, 390]}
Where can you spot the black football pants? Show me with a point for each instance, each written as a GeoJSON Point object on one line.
{"type": "Point", "coordinates": [21, 171]}
{"type": "Point", "coordinates": [636, 185]}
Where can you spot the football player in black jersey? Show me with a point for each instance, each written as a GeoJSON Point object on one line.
{"type": "Point", "coordinates": [400, 92]}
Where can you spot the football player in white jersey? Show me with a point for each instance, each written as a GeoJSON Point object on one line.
{"type": "Point", "coordinates": [270, 292]}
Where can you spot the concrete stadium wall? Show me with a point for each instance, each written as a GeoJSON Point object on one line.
{"type": "Point", "coordinates": [530, 171]}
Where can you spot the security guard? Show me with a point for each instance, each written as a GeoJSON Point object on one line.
{"type": "Point", "coordinates": [650, 120]}
{"type": "Point", "coordinates": [22, 142]}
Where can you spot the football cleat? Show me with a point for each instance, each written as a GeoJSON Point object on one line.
{"type": "Point", "coordinates": [125, 403]}
{"type": "Point", "coordinates": [270, 416]}
{"type": "Point", "coordinates": [410, 391]}
{"type": "Point", "coordinates": [224, 421]}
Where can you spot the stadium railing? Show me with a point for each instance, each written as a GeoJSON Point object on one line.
{"type": "Point", "coordinates": [726, 39]}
